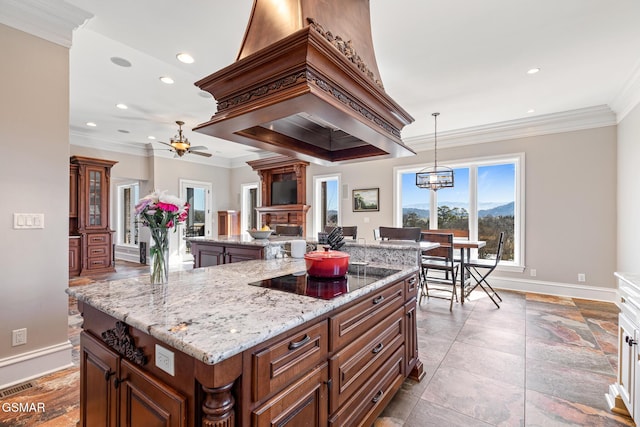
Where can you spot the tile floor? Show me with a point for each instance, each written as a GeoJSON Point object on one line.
{"type": "Point", "coordinates": [537, 361]}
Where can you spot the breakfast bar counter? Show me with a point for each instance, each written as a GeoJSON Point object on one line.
{"type": "Point", "coordinates": [209, 349]}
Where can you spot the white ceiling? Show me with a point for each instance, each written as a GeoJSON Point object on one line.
{"type": "Point", "coordinates": [466, 59]}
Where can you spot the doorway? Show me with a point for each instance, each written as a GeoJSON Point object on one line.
{"type": "Point", "coordinates": [251, 199]}
{"type": "Point", "coordinates": [199, 220]}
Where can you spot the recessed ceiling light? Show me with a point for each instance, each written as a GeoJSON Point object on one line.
{"type": "Point", "coordinates": [533, 71]}
{"type": "Point", "coordinates": [91, 124]}
{"type": "Point", "coordinates": [151, 137]}
{"type": "Point", "coordinates": [122, 106]}
{"type": "Point", "coordinates": [166, 80]}
{"type": "Point", "coordinates": [185, 58]}
{"type": "Point", "coordinates": [123, 131]}
{"type": "Point", "coordinates": [531, 110]}
{"type": "Point", "coordinates": [205, 94]}
{"type": "Point", "coordinates": [120, 61]}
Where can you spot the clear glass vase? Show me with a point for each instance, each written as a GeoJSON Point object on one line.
{"type": "Point", "coordinates": [159, 256]}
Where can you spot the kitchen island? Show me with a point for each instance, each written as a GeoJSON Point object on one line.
{"type": "Point", "coordinates": [208, 349]}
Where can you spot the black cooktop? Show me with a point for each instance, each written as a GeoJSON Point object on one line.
{"type": "Point", "coordinates": [325, 288]}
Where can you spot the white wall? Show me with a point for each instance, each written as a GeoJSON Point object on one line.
{"type": "Point", "coordinates": [34, 178]}
{"type": "Point", "coordinates": [628, 194]}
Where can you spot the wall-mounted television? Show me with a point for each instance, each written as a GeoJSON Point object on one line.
{"type": "Point", "coordinates": [284, 192]}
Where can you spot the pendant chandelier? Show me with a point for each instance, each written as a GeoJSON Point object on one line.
{"type": "Point", "coordinates": [436, 177]}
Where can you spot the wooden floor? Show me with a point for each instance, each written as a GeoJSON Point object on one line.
{"type": "Point", "coordinates": [536, 361]}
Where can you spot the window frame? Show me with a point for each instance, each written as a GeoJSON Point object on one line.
{"type": "Point", "coordinates": [317, 182]}
{"type": "Point", "coordinates": [518, 159]}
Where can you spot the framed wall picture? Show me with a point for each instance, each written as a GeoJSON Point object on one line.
{"type": "Point", "coordinates": [366, 200]}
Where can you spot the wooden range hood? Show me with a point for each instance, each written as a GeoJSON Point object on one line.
{"type": "Point", "coordinates": [306, 85]}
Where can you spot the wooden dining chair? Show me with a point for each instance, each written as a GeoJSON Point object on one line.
{"type": "Point", "coordinates": [438, 269]}
{"type": "Point", "coordinates": [400, 233]}
{"type": "Point", "coordinates": [480, 269]}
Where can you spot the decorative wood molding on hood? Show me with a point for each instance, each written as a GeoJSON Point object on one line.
{"type": "Point", "coordinates": [308, 88]}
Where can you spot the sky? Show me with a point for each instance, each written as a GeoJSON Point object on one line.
{"type": "Point", "coordinates": [496, 186]}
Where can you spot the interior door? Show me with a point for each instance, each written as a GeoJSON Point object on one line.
{"type": "Point", "coordinates": [199, 221]}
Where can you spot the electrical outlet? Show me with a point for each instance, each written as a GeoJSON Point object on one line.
{"type": "Point", "coordinates": [582, 277]}
{"type": "Point", "coordinates": [18, 337]}
{"type": "Point", "coordinates": [533, 272]}
{"type": "Point", "coordinates": [165, 360]}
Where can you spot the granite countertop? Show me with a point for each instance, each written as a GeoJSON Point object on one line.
{"type": "Point", "coordinates": [245, 239]}
{"type": "Point", "coordinates": [212, 313]}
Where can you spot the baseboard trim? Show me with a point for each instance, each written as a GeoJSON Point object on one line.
{"type": "Point", "coordinates": [33, 364]}
{"type": "Point", "coordinates": [596, 293]}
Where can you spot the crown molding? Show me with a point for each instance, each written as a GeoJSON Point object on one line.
{"type": "Point", "coordinates": [567, 121]}
{"type": "Point", "coordinates": [52, 20]}
{"type": "Point", "coordinates": [629, 96]}
{"type": "Point", "coordinates": [149, 150]}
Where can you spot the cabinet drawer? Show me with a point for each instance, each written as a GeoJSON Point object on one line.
{"type": "Point", "coordinates": [357, 362]}
{"type": "Point", "coordinates": [358, 319]}
{"type": "Point", "coordinates": [98, 251]}
{"type": "Point", "coordinates": [304, 403]}
{"type": "Point", "coordinates": [374, 395]}
{"type": "Point", "coordinates": [411, 286]}
{"type": "Point", "coordinates": [282, 362]}
{"type": "Point", "coordinates": [97, 239]}
{"type": "Point", "coordinates": [99, 262]}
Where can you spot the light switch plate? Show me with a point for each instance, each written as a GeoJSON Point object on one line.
{"type": "Point", "coordinates": [22, 221]}
{"type": "Point", "coordinates": [165, 360]}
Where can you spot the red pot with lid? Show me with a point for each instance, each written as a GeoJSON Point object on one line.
{"type": "Point", "coordinates": [327, 263]}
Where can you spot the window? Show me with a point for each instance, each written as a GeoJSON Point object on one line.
{"type": "Point", "coordinates": [327, 198]}
{"type": "Point", "coordinates": [487, 198]}
{"type": "Point", "coordinates": [128, 228]}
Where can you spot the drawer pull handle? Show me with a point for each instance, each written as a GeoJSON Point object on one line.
{"type": "Point", "coordinates": [379, 299]}
{"type": "Point", "coordinates": [630, 341]}
{"type": "Point", "coordinates": [377, 349]}
{"type": "Point", "coordinates": [303, 341]}
{"type": "Point", "coordinates": [377, 396]}
{"type": "Point", "coordinates": [118, 381]}
{"type": "Point", "coordinates": [412, 281]}
{"type": "Point", "coordinates": [108, 375]}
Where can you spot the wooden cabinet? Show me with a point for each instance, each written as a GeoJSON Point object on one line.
{"type": "Point", "coordinates": [89, 182]}
{"type": "Point", "coordinates": [228, 223]}
{"type": "Point", "coordinates": [113, 392]}
{"type": "Point", "coordinates": [74, 256]}
{"type": "Point", "coordinates": [284, 191]}
{"type": "Point", "coordinates": [116, 393]}
{"type": "Point", "coordinates": [624, 395]}
{"type": "Point", "coordinates": [207, 254]}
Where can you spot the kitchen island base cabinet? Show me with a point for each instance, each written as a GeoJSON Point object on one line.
{"type": "Point", "coordinates": [340, 368]}
{"type": "Point", "coordinates": [211, 254]}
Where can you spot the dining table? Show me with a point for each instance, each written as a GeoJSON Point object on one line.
{"type": "Point", "coordinates": [465, 245]}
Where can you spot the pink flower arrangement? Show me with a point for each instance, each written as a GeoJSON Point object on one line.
{"type": "Point", "coordinates": [160, 210]}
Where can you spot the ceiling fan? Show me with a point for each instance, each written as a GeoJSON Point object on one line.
{"type": "Point", "coordinates": [181, 145]}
